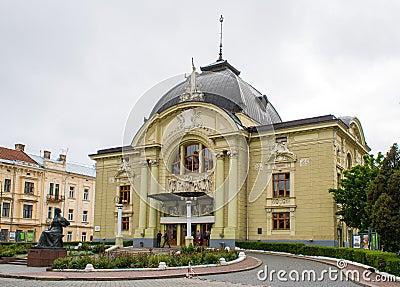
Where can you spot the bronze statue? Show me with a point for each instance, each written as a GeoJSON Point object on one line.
{"type": "Point", "coordinates": [52, 237]}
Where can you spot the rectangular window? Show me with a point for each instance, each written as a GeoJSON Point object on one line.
{"type": "Point", "coordinates": [86, 194]}
{"type": "Point", "coordinates": [27, 211]}
{"type": "Point", "coordinates": [49, 212]}
{"type": "Point", "coordinates": [124, 194]}
{"type": "Point", "coordinates": [71, 193]}
{"type": "Point", "coordinates": [281, 183]}
{"type": "Point", "coordinates": [56, 190]}
{"type": "Point", "coordinates": [6, 209]}
{"type": "Point", "coordinates": [7, 185]}
{"type": "Point", "coordinates": [125, 223]}
{"type": "Point", "coordinates": [84, 216]}
{"type": "Point", "coordinates": [51, 188]}
{"type": "Point", "coordinates": [70, 214]}
{"type": "Point", "coordinates": [69, 236]}
{"type": "Point", "coordinates": [281, 221]}
{"type": "Point", "coordinates": [83, 236]}
{"type": "Point", "coordinates": [29, 187]}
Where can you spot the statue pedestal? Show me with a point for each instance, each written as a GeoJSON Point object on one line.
{"type": "Point", "coordinates": [42, 257]}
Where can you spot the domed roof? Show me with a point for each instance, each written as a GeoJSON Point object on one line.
{"type": "Point", "coordinates": [220, 84]}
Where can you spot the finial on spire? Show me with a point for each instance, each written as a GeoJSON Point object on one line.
{"type": "Point", "coordinates": [193, 67]}
{"type": "Point", "coordinates": [221, 19]}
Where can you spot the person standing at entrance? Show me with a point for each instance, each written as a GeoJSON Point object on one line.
{"type": "Point", "coordinates": [166, 239]}
{"type": "Point", "coordinates": [159, 235]}
{"type": "Point", "coordinates": [198, 238]}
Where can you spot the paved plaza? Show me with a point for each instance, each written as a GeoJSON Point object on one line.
{"type": "Point", "coordinates": [242, 278]}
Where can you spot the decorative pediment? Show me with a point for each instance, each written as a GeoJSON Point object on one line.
{"type": "Point", "coordinates": [124, 171]}
{"type": "Point", "coordinates": [282, 153]}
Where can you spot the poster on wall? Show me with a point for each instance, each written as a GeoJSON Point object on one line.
{"type": "Point", "coordinates": [12, 235]}
{"type": "Point", "coordinates": [365, 241]}
{"type": "Point", "coordinates": [30, 236]}
{"type": "Point", "coordinates": [356, 241]}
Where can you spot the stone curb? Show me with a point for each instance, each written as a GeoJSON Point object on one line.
{"type": "Point", "coordinates": [181, 272]}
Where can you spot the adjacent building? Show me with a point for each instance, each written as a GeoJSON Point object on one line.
{"type": "Point", "coordinates": [216, 147]}
{"type": "Point", "coordinates": [33, 186]}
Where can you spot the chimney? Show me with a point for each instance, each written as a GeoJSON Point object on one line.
{"type": "Point", "coordinates": [46, 154]}
{"type": "Point", "coordinates": [63, 158]}
{"type": "Point", "coordinates": [20, 147]}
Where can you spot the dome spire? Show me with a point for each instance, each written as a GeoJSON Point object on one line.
{"type": "Point", "coordinates": [221, 20]}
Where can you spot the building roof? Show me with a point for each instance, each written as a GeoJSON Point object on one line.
{"type": "Point", "coordinates": [15, 155]}
{"type": "Point", "coordinates": [69, 167]}
{"type": "Point", "coordinates": [221, 85]}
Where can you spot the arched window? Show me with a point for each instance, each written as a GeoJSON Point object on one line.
{"type": "Point", "coordinates": [192, 158]}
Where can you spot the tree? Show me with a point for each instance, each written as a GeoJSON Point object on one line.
{"type": "Point", "coordinates": [383, 200]}
{"type": "Point", "coordinates": [351, 196]}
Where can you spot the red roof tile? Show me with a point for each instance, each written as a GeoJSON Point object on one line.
{"type": "Point", "coordinates": [12, 154]}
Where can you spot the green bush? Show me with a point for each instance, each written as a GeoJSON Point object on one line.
{"type": "Point", "coordinates": [194, 256]}
{"type": "Point", "coordinates": [393, 266]}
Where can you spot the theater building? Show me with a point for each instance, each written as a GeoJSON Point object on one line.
{"type": "Point", "coordinates": [215, 146]}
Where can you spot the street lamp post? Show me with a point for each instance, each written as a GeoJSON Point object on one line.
{"type": "Point", "coordinates": [119, 241]}
{"type": "Point", "coordinates": [189, 237]}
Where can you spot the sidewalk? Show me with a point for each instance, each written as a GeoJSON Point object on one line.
{"type": "Point", "coordinates": [40, 273]}
{"type": "Point", "coordinates": [372, 280]}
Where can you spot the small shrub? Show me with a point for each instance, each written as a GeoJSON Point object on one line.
{"type": "Point", "coordinates": [393, 266]}
{"type": "Point", "coordinates": [61, 263]}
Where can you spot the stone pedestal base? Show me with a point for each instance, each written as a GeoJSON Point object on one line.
{"type": "Point", "coordinates": [188, 241]}
{"type": "Point", "coordinates": [44, 257]}
{"type": "Point", "coordinates": [119, 241]}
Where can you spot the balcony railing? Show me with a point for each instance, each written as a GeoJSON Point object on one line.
{"type": "Point", "coordinates": [55, 198]}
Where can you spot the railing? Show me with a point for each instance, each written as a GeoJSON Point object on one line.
{"type": "Point", "coordinates": [55, 198]}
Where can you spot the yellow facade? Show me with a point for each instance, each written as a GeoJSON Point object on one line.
{"type": "Point", "coordinates": [55, 183]}
{"type": "Point", "coordinates": [243, 178]}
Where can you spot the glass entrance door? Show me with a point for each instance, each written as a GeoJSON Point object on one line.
{"type": "Point", "coordinates": [172, 233]}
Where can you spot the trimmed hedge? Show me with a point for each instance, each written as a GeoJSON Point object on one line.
{"type": "Point", "coordinates": [383, 261]}
{"type": "Point", "coordinates": [9, 249]}
{"type": "Point", "coordinates": [190, 255]}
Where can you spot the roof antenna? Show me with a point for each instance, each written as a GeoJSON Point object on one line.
{"type": "Point", "coordinates": [221, 19]}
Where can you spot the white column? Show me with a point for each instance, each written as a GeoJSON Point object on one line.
{"type": "Point", "coordinates": [188, 237]}
{"type": "Point", "coordinates": [119, 220]}
{"type": "Point", "coordinates": [188, 218]}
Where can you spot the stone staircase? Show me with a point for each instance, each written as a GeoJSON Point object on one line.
{"type": "Point", "coordinates": [14, 260]}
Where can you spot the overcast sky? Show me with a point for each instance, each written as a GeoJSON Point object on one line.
{"type": "Point", "coordinates": [71, 71]}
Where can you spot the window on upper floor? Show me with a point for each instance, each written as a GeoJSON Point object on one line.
{"type": "Point", "coordinates": [85, 216]}
{"type": "Point", "coordinates": [70, 214]}
{"type": "Point", "coordinates": [125, 223]}
{"type": "Point", "coordinates": [281, 220]}
{"type": "Point", "coordinates": [124, 194]}
{"type": "Point", "coordinates": [27, 211]}
{"type": "Point", "coordinates": [49, 212]}
{"type": "Point", "coordinates": [7, 185]}
{"type": "Point", "coordinates": [194, 158]}
{"type": "Point", "coordinates": [56, 190]}
{"type": "Point", "coordinates": [51, 188]}
{"type": "Point", "coordinates": [349, 162]}
{"type": "Point", "coordinates": [86, 194]}
{"type": "Point", "coordinates": [71, 193]}
{"type": "Point", "coordinates": [281, 185]}
{"type": "Point", "coordinates": [29, 187]}
{"type": "Point", "coordinates": [5, 212]}
{"type": "Point", "coordinates": [69, 236]}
